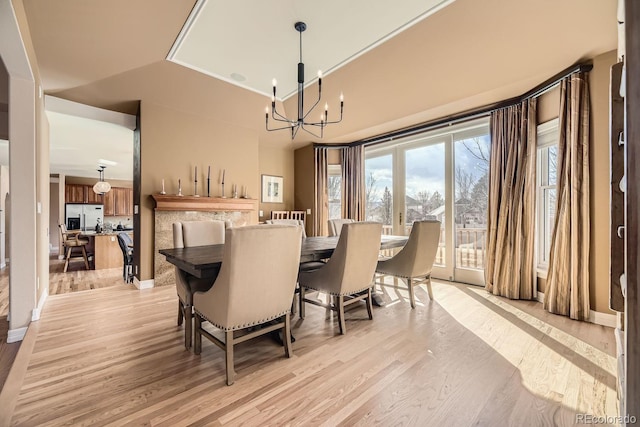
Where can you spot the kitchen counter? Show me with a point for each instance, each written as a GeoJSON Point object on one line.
{"type": "Point", "coordinates": [106, 250]}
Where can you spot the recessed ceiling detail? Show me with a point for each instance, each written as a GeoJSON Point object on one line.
{"type": "Point", "coordinates": [256, 40]}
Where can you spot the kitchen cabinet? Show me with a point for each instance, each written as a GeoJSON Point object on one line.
{"type": "Point", "coordinates": [118, 202]}
{"type": "Point", "coordinates": [75, 193]}
{"type": "Point", "coordinates": [81, 193]}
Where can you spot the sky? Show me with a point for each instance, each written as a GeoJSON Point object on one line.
{"type": "Point", "coordinates": [425, 167]}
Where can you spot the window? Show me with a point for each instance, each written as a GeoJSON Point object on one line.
{"type": "Point", "coordinates": [546, 192]}
{"type": "Point", "coordinates": [334, 191]}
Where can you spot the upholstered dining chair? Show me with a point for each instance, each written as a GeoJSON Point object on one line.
{"type": "Point", "coordinates": [187, 234]}
{"type": "Point", "coordinates": [414, 261]}
{"type": "Point", "coordinates": [279, 214]}
{"type": "Point", "coordinates": [254, 287]}
{"type": "Point", "coordinates": [295, 222]}
{"type": "Point", "coordinates": [335, 225]}
{"type": "Point", "coordinates": [71, 240]}
{"type": "Point", "coordinates": [348, 274]}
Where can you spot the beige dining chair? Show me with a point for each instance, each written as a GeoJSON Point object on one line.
{"type": "Point", "coordinates": [71, 240]}
{"type": "Point", "coordinates": [295, 222]}
{"type": "Point", "coordinates": [348, 274]}
{"type": "Point", "coordinates": [335, 225]}
{"type": "Point", "coordinates": [414, 261]}
{"type": "Point", "coordinates": [187, 234]}
{"type": "Point", "coordinates": [254, 287]}
{"type": "Point", "coordinates": [279, 214]}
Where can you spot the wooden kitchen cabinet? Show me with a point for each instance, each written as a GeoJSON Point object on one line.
{"type": "Point", "coordinates": [109, 203]}
{"type": "Point", "coordinates": [81, 193]}
{"type": "Point", "coordinates": [75, 193]}
{"type": "Point", "coordinates": [118, 202]}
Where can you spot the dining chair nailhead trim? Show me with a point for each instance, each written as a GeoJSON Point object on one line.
{"type": "Point", "coordinates": [238, 327]}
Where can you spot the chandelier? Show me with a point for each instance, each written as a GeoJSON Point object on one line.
{"type": "Point", "coordinates": [302, 122]}
{"type": "Point", "coordinates": [102, 186]}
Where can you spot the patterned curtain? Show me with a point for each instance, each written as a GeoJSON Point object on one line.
{"type": "Point", "coordinates": [509, 269]}
{"type": "Point", "coordinates": [353, 189]}
{"type": "Point", "coordinates": [567, 291]}
{"type": "Point", "coordinates": [321, 200]}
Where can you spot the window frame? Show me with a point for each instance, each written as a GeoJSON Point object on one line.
{"type": "Point", "coordinates": [334, 170]}
{"type": "Point", "coordinates": [547, 136]}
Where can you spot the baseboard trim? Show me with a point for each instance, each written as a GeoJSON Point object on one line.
{"type": "Point", "coordinates": [603, 319]}
{"type": "Point", "coordinates": [596, 317]}
{"type": "Point", "coordinates": [15, 335]}
{"type": "Point", "coordinates": [143, 284]}
{"type": "Point", "coordinates": [35, 314]}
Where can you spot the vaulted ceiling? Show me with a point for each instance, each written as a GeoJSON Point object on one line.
{"type": "Point", "coordinates": [110, 54]}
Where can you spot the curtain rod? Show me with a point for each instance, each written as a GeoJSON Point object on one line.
{"type": "Point", "coordinates": [471, 114]}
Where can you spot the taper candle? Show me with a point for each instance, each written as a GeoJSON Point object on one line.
{"type": "Point", "coordinates": [223, 171]}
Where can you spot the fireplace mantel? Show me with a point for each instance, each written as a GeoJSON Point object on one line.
{"type": "Point", "coordinates": [207, 204]}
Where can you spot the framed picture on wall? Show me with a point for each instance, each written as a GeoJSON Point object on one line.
{"type": "Point", "coordinates": [272, 189]}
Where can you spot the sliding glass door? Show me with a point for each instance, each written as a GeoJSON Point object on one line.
{"type": "Point", "coordinates": [441, 175]}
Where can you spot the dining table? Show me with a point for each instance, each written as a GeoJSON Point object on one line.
{"type": "Point", "coordinates": [205, 261]}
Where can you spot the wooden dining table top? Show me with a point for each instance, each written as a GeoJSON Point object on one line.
{"type": "Point", "coordinates": [204, 261]}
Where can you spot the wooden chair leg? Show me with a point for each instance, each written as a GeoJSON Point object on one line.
{"type": "Point", "coordinates": [229, 357]}
{"type": "Point", "coordinates": [188, 325]}
{"type": "Point", "coordinates": [66, 262]}
{"type": "Point", "coordinates": [412, 297]}
{"type": "Point", "coordinates": [197, 344]}
{"type": "Point", "coordinates": [370, 304]}
{"type": "Point", "coordinates": [301, 302]}
{"type": "Point", "coordinates": [429, 290]}
{"type": "Point", "coordinates": [340, 310]}
{"type": "Point", "coordinates": [180, 313]}
{"type": "Point", "coordinates": [84, 255]}
{"type": "Point", "coordinates": [288, 351]}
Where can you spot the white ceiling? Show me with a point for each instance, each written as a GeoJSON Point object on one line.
{"type": "Point", "coordinates": [82, 137]}
{"type": "Point", "coordinates": [219, 38]}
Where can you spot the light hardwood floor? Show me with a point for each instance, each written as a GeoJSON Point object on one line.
{"type": "Point", "coordinates": [114, 356]}
{"type": "Point", "coordinates": [75, 279]}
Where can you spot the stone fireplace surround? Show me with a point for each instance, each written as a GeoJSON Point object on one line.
{"type": "Point", "coordinates": [170, 209]}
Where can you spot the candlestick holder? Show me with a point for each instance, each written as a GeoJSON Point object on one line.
{"type": "Point", "coordinates": [223, 196]}
{"type": "Point", "coordinates": [179, 188]}
{"type": "Point", "coordinates": [208, 187]}
{"type": "Point", "coordinates": [195, 189]}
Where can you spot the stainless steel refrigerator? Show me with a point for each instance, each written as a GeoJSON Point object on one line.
{"type": "Point", "coordinates": [82, 216]}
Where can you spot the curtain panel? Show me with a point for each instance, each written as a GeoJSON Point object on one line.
{"type": "Point", "coordinates": [353, 187]}
{"type": "Point", "coordinates": [509, 269]}
{"type": "Point", "coordinates": [321, 199]}
{"type": "Point", "coordinates": [567, 290]}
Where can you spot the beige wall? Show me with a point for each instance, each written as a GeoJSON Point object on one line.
{"type": "Point", "coordinates": [599, 181]}
{"type": "Point", "coordinates": [548, 105]}
{"type": "Point", "coordinates": [304, 187]}
{"type": "Point", "coordinates": [173, 143]}
{"type": "Point", "coordinates": [278, 162]}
